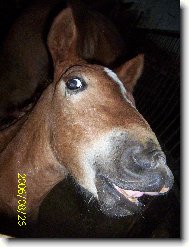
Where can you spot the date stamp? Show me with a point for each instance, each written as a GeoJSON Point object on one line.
{"type": "Point", "coordinates": [21, 196]}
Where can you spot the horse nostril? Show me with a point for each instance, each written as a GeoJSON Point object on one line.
{"type": "Point", "coordinates": [149, 160]}
{"type": "Point", "coordinates": [158, 158]}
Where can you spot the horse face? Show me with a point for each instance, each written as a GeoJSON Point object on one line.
{"type": "Point", "coordinates": [103, 141]}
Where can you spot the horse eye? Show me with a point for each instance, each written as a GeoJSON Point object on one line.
{"type": "Point", "coordinates": [75, 84]}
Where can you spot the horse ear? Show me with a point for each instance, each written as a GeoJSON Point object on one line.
{"type": "Point", "coordinates": [63, 36]}
{"type": "Point", "coordinates": [131, 71]}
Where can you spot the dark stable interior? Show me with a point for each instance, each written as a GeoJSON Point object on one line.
{"type": "Point", "coordinates": [157, 96]}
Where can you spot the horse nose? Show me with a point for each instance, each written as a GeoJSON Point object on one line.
{"type": "Point", "coordinates": [153, 161]}
{"type": "Point", "coordinates": [148, 159]}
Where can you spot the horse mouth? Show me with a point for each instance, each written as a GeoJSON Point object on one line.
{"type": "Point", "coordinates": [134, 195]}
{"type": "Point", "coordinates": [131, 197]}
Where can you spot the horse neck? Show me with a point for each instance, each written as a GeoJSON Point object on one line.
{"type": "Point", "coordinates": [29, 152]}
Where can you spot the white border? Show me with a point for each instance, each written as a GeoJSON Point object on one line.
{"type": "Point", "coordinates": [184, 3]}
{"type": "Point", "coordinates": [185, 174]}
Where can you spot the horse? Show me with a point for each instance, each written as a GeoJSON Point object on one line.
{"type": "Point", "coordinates": [85, 124]}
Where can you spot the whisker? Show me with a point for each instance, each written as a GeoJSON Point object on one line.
{"type": "Point", "coordinates": [90, 199]}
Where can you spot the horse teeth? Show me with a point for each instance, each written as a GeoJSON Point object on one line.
{"type": "Point", "coordinates": [124, 193]}
{"type": "Point", "coordinates": [132, 199]}
{"type": "Point", "coordinates": [164, 190]}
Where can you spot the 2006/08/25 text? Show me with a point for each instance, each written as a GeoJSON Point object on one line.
{"type": "Point", "coordinates": [21, 209]}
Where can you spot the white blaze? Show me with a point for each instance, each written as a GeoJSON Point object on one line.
{"type": "Point", "coordinates": [115, 78]}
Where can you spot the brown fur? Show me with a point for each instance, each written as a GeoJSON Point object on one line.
{"type": "Point", "coordinates": [58, 135]}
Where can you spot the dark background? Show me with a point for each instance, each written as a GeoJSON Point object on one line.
{"type": "Point", "coordinates": [152, 27]}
